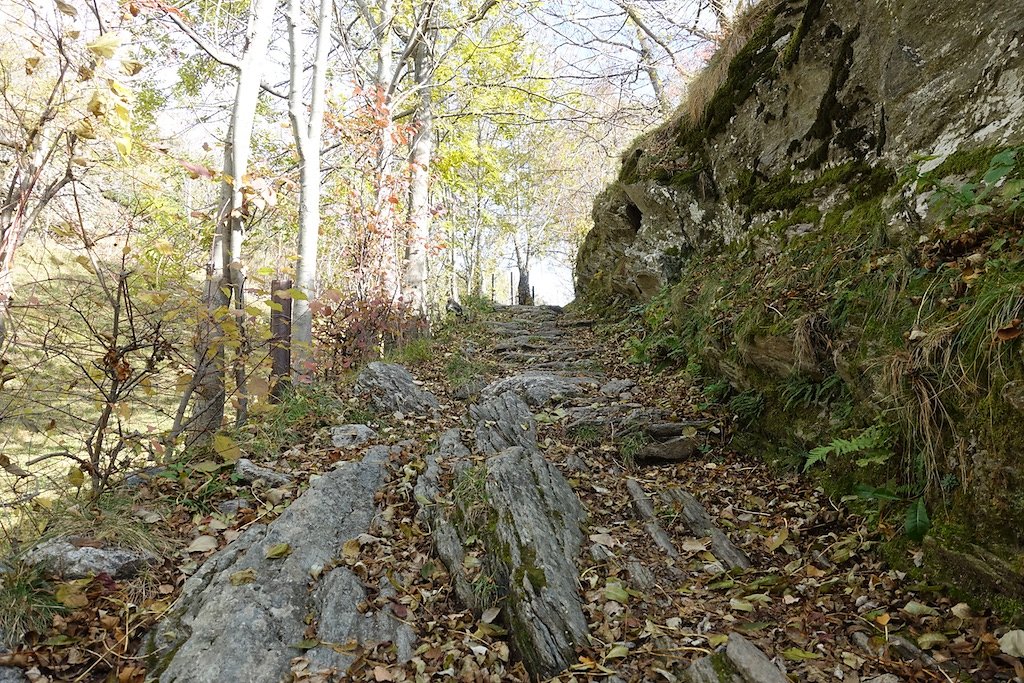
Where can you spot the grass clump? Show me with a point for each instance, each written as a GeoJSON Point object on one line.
{"type": "Point", "coordinates": [27, 602]}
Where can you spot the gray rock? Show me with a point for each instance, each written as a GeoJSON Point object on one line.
{"type": "Point", "coordinates": [249, 472]}
{"type": "Point", "coordinates": [344, 436]}
{"type": "Point", "coordinates": [621, 417]}
{"type": "Point", "coordinates": [469, 389]}
{"type": "Point", "coordinates": [1013, 393]}
{"type": "Point", "coordinates": [539, 388]}
{"type": "Point", "coordinates": [502, 422]}
{"type": "Point", "coordinates": [884, 678]}
{"type": "Point", "coordinates": [68, 559]}
{"type": "Point", "coordinates": [752, 664]}
{"type": "Point", "coordinates": [699, 522]}
{"type": "Point", "coordinates": [539, 524]}
{"type": "Point", "coordinates": [224, 633]}
{"type": "Point", "coordinates": [674, 450]}
{"type": "Point", "coordinates": [391, 388]}
{"type": "Point", "coordinates": [10, 674]}
{"type": "Point", "coordinates": [616, 387]}
{"type": "Point", "coordinates": [233, 506]}
{"type": "Point", "coordinates": [142, 477]}
{"type": "Point", "coordinates": [640, 576]}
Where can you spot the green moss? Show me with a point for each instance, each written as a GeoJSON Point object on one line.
{"type": "Point", "coordinates": [752, 63]}
{"type": "Point", "coordinates": [965, 162]}
{"type": "Point", "coordinates": [792, 50]}
{"type": "Point", "coordinates": [724, 669]}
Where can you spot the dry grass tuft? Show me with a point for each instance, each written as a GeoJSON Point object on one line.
{"type": "Point", "coordinates": [706, 83]}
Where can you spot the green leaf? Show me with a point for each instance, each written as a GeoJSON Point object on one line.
{"type": "Point", "coordinates": [243, 577]}
{"type": "Point", "coordinates": [917, 524]}
{"type": "Point", "coordinates": [307, 644]}
{"type": "Point", "coordinates": [618, 651]}
{"type": "Point", "coordinates": [278, 551]}
{"type": "Point", "coordinates": [795, 654]}
{"type": "Point", "coordinates": [615, 591]}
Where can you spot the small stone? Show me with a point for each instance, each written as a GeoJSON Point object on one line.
{"type": "Point", "coordinates": [250, 472]}
{"type": "Point", "coordinates": [75, 558]}
{"type": "Point", "coordinates": [134, 480]}
{"type": "Point", "coordinates": [233, 506]}
{"type": "Point", "coordinates": [469, 389]}
{"type": "Point", "coordinates": [673, 450]}
{"type": "Point", "coordinates": [345, 436]}
{"type": "Point", "coordinates": [616, 387]}
{"type": "Point", "coordinates": [752, 664]}
{"type": "Point", "coordinates": [1013, 393]}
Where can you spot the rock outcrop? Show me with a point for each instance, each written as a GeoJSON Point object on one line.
{"type": "Point", "coordinates": [242, 614]}
{"type": "Point", "coordinates": [391, 388]}
{"type": "Point", "coordinates": [834, 231]}
{"type": "Point", "coordinates": [530, 525]}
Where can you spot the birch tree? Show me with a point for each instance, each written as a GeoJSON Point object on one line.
{"type": "Point", "coordinates": [225, 279]}
{"type": "Point", "coordinates": [308, 128]}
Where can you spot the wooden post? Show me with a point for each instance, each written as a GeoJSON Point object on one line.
{"type": "Point", "coordinates": [511, 290]}
{"type": "Point", "coordinates": [281, 336]}
{"type": "Point", "coordinates": [492, 288]}
{"type": "Point", "coordinates": [533, 295]}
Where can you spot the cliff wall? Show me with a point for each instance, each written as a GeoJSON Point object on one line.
{"type": "Point", "coordinates": [836, 234]}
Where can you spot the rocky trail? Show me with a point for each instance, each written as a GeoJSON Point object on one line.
{"type": "Point", "coordinates": [530, 506]}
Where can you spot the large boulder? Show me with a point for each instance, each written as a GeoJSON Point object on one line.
{"type": "Point", "coordinates": [78, 558]}
{"type": "Point", "coordinates": [501, 422]}
{"type": "Point", "coordinates": [391, 388]}
{"type": "Point", "coordinates": [539, 388]}
{"type": "Point", "coordinates": [241, 615]}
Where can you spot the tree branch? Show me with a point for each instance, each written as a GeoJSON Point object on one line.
{"type": "Point", "coordinates": [219, 55]}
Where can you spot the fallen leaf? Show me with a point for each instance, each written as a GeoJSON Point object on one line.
{"type": "Point", "coordinates": [617, 651]}
{"type": "Point", "coordinates": [71, 595]}
{"type": "Point", "coordinates": [278, 551]}
{"type": "Point", "coordinates": [1012, 643]}
{"type": "Point", "coordinates": [919, 609]}
{"type": "Point", "coordinates": [240, 578]}
{"type": "Point", "coordinates": [795, 654]}
{"type": "Point", "coordinates": [930, 641]}
{"type": "Point", "coordinates": [202, 544]}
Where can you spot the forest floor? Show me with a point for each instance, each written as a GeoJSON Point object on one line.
{"type": "Point", "coordinates": [817, 598]}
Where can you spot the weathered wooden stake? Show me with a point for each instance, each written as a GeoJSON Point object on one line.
{"type": "Point", "coordinates": [281, 336]}
{"type": "Point", "coordinates": [533, 296]}
{"type": "Point", "coordinates": [492, 288]}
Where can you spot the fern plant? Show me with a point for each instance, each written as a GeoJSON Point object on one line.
{"type": "Point", "coordinates": [872, 442]}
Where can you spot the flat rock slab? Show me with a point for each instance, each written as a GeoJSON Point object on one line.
{"type": "Point", "coordinates": [392, 389]}
{"type": "Point", "coordinates": [240, 615]}
{"type": "Point", "coordinates": [502, 422]}
{"type": "Point", "coordinates": [250, 472]}
{"type": "Point", "coordinates": [539, 388]}
{"type": "Point", "coordinates": [700, 524]}
{"type": "Point", "coordinates": [740, 662]}
{"type": "Point", "coordinates": [618, 416]}
{"type": "Point", "coordinates": [346, 436]}
{"type": "Point", "coordinates": [75, 558]}
{"type": "Point", "coordinates": [677, 449]}
{"type": "Point", "coordinates": [539, 531]}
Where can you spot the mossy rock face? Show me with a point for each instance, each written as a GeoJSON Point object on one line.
{"type": "Point", "coordinates": [793, 238]}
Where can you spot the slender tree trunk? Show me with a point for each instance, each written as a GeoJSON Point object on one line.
{"type": "Point", "coordinates": [524, 293]}
{"type": "Point", "coordinates": [647, 62]}
{"type": "Point", "coordinates": [308, 133]}
{"type": "Point", "coordinates": [225, 277]}
{"type": "Point", "coordinates": [415, 271]}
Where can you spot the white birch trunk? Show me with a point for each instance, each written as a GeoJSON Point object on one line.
{"type": "Point", "coordinates": [208, 413]}
{"type": "Point", "coordinates": [308, 129]}
{"type": "Point", "coordinates": [414, 283]}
